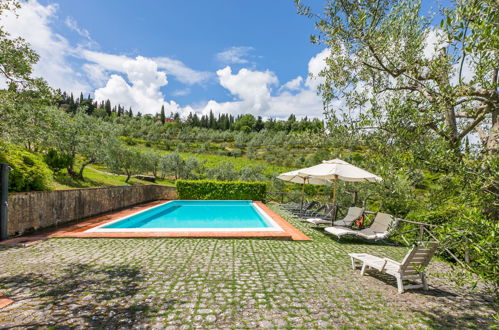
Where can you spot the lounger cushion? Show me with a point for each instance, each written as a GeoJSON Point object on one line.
{"type": "Point", "coordinates": [340, 231]}
{"type": "Point", "coordinates": [318, 221]}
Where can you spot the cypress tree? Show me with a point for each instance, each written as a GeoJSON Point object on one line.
{"type": "Point", "coordinates": [162, 115]}
{"type": "Point", "coordinates": [107, 106]}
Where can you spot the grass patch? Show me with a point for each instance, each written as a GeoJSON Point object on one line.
{"type": "Point", "coordinates": [94, 178]}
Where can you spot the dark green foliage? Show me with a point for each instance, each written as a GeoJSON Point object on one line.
{"type": "Point", "coordinates": [162, 116]}
{"type": "Point", "coordinates": [221, 190]}
{"type": "Point", "coordinates": [28, 171]}
{"type": "Point", "coordinates": [56, 161]}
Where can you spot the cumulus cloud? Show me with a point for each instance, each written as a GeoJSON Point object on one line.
{"type": "Point", "coordinates": [252, 92]}
{"type": "Point", "coordinates": [181, 72]}
{"type": "Point", "coordinates": [250, 86]}
{"type": "Point", "coordinates": [294, 84]}
{"type": "Point", "coordinates": [143, 93]}
{"type": "Point", "coordinates": [315, 66]}
{"type": "Point", "coordinates": [111, 62]}
{"type": "Point", "coordinates": [234, 55]}
{"type": "Point", "coordinates": [33, 24]}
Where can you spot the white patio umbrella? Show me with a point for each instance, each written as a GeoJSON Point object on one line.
{"type": "Point", "coordinates": [337, 169]}
{"type": "Point", "coordinates": [296, 177]}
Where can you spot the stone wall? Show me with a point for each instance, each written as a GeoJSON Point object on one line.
{"type": "Point", "coordinates": [40, 209]}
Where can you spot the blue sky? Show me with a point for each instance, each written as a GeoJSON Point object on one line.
{"type": "Point", "coordinates": [224, 55]}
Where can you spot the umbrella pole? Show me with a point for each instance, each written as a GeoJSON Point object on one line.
{"type": "Point", "coordinates": [334, 192]}
{"type": "Point", "coordinates": [302, 194]}
{"type": "Point", "coordinates": [335, 211]}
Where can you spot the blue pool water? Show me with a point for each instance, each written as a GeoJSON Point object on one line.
{"type": "Point", "coordinates": [196, 214]}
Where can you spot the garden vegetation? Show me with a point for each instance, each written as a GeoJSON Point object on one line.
{"type": "Point", "coordinates": [423, 115]}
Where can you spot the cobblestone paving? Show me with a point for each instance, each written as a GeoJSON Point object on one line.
{"type": "Point", "coordinates": [210, 283]}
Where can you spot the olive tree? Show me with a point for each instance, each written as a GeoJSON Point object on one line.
{"type": "Point", "coordinates": [391, 69]}
{"type": "Point", "coordinates": [124, 160]}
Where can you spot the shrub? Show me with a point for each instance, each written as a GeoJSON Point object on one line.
{"type": "Point", "coordinates": [56, 160]}
{"type": "Point", "coordinates": [221, 190]}
{"type": "Point", "coordinates": [28, 172]}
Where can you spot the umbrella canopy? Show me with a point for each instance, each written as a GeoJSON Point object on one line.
{"type": "Point", "coordinates": [338, 169]}
{"type": "Point", "coordinates": [296, 177]}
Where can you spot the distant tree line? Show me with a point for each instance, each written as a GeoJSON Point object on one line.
{"type": "Point", "coordinates": [245, 123]}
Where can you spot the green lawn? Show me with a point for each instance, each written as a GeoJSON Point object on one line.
{"type": "Point", "coordinates": [95, 178]}
{"type": "Point", "coordinates": [222, 283]}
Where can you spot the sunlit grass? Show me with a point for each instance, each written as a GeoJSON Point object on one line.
{"type": "Point", "coordinates": [94, 178]}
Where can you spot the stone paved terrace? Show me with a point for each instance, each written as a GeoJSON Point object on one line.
{"type": "Point", "coordinates": [221, 283]}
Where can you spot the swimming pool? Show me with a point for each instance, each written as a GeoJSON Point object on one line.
{"type": "Point", "coordinates": [195, 216]}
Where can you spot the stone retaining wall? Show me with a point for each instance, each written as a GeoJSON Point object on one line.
{"type": "Point", "coordinates": [40, 209]}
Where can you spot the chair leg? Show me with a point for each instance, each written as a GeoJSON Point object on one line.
{"type": "Point", "coordinates": [363, 270]}
{"type": "Point", "coordinates": [423, 280]}
{"type": "Point", "coordinates": [400, 285]}
{"type": "Point", "coordinates": [353, 263]}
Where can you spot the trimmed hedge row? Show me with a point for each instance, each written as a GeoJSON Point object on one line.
{"type": "Point", "coordinates": [221, 190]}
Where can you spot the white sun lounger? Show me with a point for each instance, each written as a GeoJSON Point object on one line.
{"type": "Point", "coordinates": [411, 268]}
{"type": "Point", "coordinates": [353, 214]}
{"type": "Point", "coordinates": [381, 228]}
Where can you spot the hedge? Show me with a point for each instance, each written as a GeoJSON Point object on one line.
{"type": "Point", "coordinates": [221, 190]}
{"type": "Point", "coordinates": [29, 171]}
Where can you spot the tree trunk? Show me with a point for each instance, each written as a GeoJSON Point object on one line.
{"type": "Point", "coordinates": [70, 169]}
{"type": "Point", "coordinates": [71, 172]}
{"type": "Point", "coordinates": [128, 176]}
{"type": "Point", "coordinates": [80, 174]}
{"type": "Point", "coordinates": [493, 138]}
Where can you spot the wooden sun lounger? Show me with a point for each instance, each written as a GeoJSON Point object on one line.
{"type": "Point", "coordinates": [411, 268]}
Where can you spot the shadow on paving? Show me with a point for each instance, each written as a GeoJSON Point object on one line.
{"type": "Point", "coordinates": [463, 315]}
{"type": "Point", "coordinates": [91, 296]}
{"type": "Point", "coordinates": [454, 311]}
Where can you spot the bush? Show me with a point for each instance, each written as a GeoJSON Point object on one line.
{"type": "Point", "coordinates": [28, 172]}
{"type": "Point", "coordinates": [221, 190]}
{"type": "Point", "coordinates": [56, 160]}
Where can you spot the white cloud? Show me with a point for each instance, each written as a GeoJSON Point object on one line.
{"type": "Point", "coordinates": [250, 86]}
{"type": "Point", "coordinates": [143, 93]}
{"type": "Point", "coordinates": [253, 93]}
{"type": "Point", "coordinates": [110, 62]}
{"type": "Point", "coordinates": [73, 25]}
{"type": "Point", "coordinates": [181, 92]}
{"type": "Point", "coordinates": [315, 66]}
{"type": "Point", "coordinates": [106, 61]}
{"type": "Point", "coordinates": [33, 24]}
{"type": "Point", "coordinates": [294, 84]}
{"type": "Point", "coordinates": [181, 72]}
{"type": "Point", "coordinates": [95, 73]}
{"type": "Point", "coordinates": [234, 55]}
{"type": "Point", "coordinates": [435, 41]}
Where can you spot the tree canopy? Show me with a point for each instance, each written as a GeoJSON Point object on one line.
{"type": "Point", "coordinates": [391, 67]}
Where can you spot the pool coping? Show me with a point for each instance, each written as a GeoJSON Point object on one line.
{"type": "Point", "coordinates": [78, 230]}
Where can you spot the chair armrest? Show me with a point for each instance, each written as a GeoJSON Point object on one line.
{"type": "Point", "coordinates": [391, 261]}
